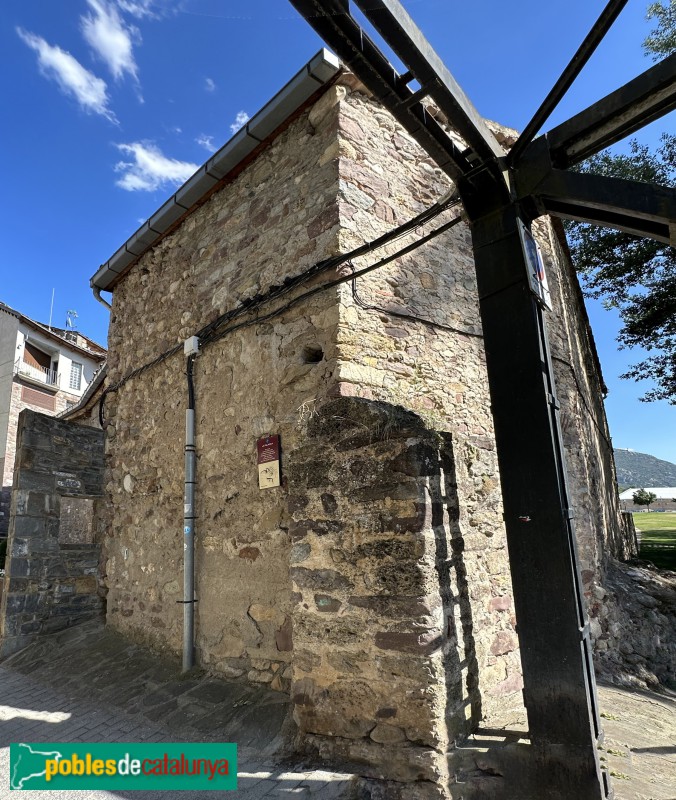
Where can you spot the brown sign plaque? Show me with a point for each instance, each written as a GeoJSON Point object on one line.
{"type": "Point", "coordinates": [267, 449]}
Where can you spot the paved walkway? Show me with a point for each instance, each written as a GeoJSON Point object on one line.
{"type": "Point", "coordinates": [88, 684]}
{"type": "Point", "coordinates": [63, 690]}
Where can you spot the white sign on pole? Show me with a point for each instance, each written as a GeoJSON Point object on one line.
{"type": "Point", "coordinates": [535, 266]}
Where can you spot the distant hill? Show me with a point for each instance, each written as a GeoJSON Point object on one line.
{"type": "Point", "coordinates": [641, 470]}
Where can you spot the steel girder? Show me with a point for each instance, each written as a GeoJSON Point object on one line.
{"type": "Point", "coordinates": [644, 99]}
{"type": "Point", "coordinates": [559, 688]}
{"type": "Point", "coordinates": [481, 170]}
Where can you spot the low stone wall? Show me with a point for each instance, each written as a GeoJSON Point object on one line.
{"type": "Point", "coordinates": [401, 640]}
{"type": "Point", "coordinates": [634, 624]}
{"type": "Point", "coordinates": [51, 579]}
{"type": "Point", "coordinates": [19, 402]}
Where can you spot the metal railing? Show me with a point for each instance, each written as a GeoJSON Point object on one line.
{"type": "Point", "coordinates": [50, 377]}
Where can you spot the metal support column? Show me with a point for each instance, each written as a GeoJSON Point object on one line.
{"type": "Point", "coordinates": [552, 627]}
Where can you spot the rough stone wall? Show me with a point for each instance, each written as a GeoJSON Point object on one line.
{"type": "Point", "coordinates": [51, 579]}
{"type": "Point", "coordinates": [429, 360]}
{"type": "Point", "coordinates": [374, 583]}
{"type": "Point", "coordinates": [17, 405]}
{"type": "Point", "coordinates": [636, 645]}
{"type": "Point", "coordinates": [600, 531]}
{"type": "Point", "coordinates": [390, 608]}
{"type": "Point", "coordinates": [276, 218]}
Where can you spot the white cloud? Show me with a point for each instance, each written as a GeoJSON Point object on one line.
{"type": "Point", "coordinates": [207, 142]}
{"type": "Point", "coordinates": [241, 119]}
{"type": "Point", "coordinates": [111, 39]}
{"type": "Point", "coordinates": [138, 8]}
{"type": "Point", "coordinates": [72, 78]}
{"type": "Point", "coordinates": [209, 85]}
{"type": "Point", "coordinates": [150, 169]}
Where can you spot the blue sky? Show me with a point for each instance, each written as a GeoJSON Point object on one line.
{"type": "Point", "coordinates": [113, 103]}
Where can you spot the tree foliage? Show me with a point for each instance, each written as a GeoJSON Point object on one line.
{"type": "Point", "coordinates": [634, 275]}
{"type": "Point", "coordinates": [637, 276]}
{"type": "Point", "coordinates": [642, 497]}
{"type": "Point", "coordinates": [661, 42]}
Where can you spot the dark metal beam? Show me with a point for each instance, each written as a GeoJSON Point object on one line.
{"type": "Point", "coordinates": [394, 24]}
{"type": "Point", "coordinates": [606, 219]}
{"type": "Point", "coordinates": [644, 99]}
{"type": "Point", "coordinates": [643, 209]}
{"type": "Point", "coordinates": [584, 52]}
{"type": "Point", "coordinates": [332, 21]}
{"type": "Point", "coordinates": [559, 690]}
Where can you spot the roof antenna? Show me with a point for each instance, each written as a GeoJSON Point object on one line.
{"type": "Point", "coordinates": [70, 316]}
{"type": "Point", "coordinates": [51, 310]}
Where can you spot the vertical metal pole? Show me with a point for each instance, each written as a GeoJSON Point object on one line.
{"type": "Point", "coordinates": [559, 686]}
{"type": "Point", "coordinates": [189, 527]}
{"type": "Point", "coordinates": [51, 310]}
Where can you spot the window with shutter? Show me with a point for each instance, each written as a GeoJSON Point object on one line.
{"type": "Point", "coordinates": [35, 397]}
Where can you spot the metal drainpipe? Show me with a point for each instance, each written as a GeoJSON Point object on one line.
{"type": "Point", "coordinates": [189, 523]}
{"type": "Point", "coordinates": [97, 294]}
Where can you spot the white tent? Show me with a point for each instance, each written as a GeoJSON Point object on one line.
{"type": "Point", "coordinates": [662, 492]}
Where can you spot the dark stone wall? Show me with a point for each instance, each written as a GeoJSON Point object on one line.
{"type": "Point", "coordinates": [402, 637]}
{"type": "Point", "coordinates": [51, 579]}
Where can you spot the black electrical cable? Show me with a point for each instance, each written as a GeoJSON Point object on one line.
{"type": "Point", "coordinates": [191, 384]}
{"type": "Point", "coordinates": [403, 315]}
{"type": "Point", "coordinates": [207, 333]}
{"type": "Point", "coordinates": [345, 279]}
{"type": "Point", "coordinates": [162, 357]}
{"type": "Point", "coordinates": [585, 402]}
{"type": "Point", "coordinates": [210, 333]}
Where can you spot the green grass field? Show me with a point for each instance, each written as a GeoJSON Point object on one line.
{"type": "Point", "coordinates": [658, 538]}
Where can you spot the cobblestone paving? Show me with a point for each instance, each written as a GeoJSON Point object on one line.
{"type": "Point", "coordinates": [49, 694]}
{"type": "Point", "coordinates": [90, 685]}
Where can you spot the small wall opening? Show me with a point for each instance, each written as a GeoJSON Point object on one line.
{"type": "Point", "coordinates": [312, 354]}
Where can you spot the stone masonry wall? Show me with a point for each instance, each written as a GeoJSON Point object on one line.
{"type": "Point", "coordinates": [390, 609]}
{"type": "Point", "coordinates": [601, 532]}
{"type": "Point", "coordinates": [386, 178]}
{"type": "Point", "coordinates": [589, 453]}
{"type": "Point", "coordinates": [421, 348]}
{"type": "Point", "coordinates": [276, 218]}
{"type": "Point", "coordinates": [373, 585]}
{"type": "Point", "coordinates": [51, 579]}
{"type": "Point", "coordinates": [17, 405]}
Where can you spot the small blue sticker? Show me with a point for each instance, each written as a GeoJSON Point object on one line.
{"type": "Point", "coordinates": [186, 530]}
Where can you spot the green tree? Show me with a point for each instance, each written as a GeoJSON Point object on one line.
{"type": "Point", "coordinates": [637, 276]}
{"type": "Point", "coordinates": [661, 42]}
{"type": "Point", "coordinates": [644, 498]}
{"type": "Point", "coordinates": [634, 275]}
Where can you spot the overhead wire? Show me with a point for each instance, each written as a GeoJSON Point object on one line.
{"type": "Point", "coordinates": [343, 279]}
{"type": "Point", "coordinates": [447, 201]}
{"type": "Point", "coordinates": [220, 327]}
{"type": "Point", "coordinates": [407, 316]}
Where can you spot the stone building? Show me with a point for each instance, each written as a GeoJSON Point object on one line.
{"type": "Point", "coordinates": [373, 584]}
{"type": "Point", "coordinates": [42, 368]}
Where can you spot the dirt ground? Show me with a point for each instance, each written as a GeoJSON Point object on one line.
{"type": "Point", "coordinates": [639, 748]}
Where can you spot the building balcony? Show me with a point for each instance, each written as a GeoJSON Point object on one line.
{"type": "Point", "coordinates": [40, 375]}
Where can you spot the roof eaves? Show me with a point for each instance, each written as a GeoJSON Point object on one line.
{"type": "Point", "coordinates": [90, 391]}
{"type": "Point", "coordinates": [318, 72]}
{"type": "Point", "coordinates": [100, 356]}
{"type": "Point", "coordinates": [4, 307]}
{"type": "Point", "coordinates": [60, 339]}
